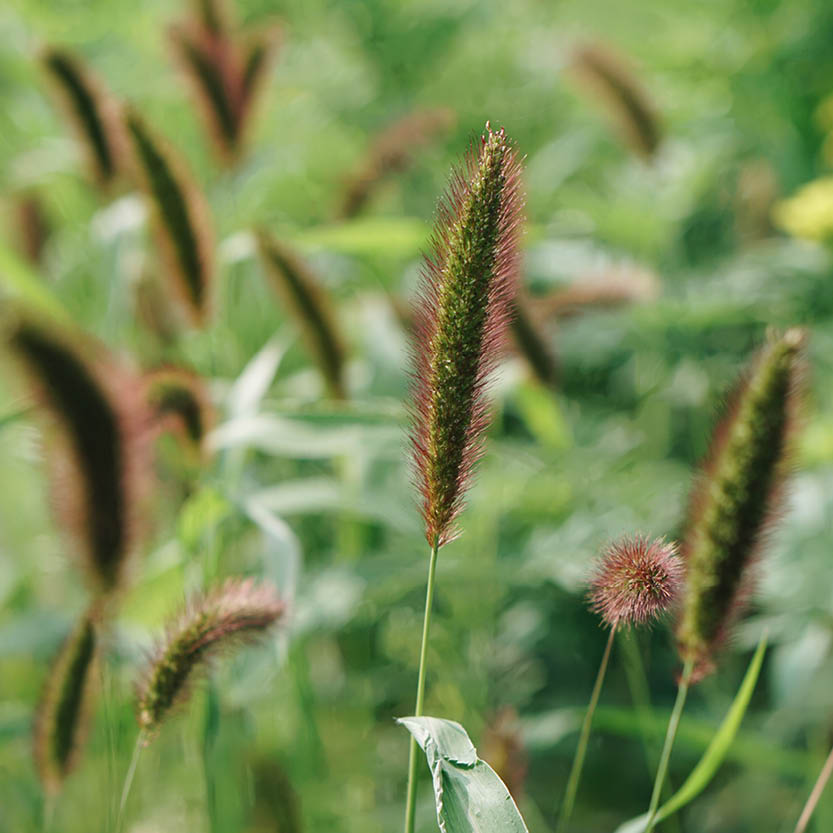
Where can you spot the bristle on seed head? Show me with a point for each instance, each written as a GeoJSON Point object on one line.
{"type": "Point", "coordinates": [736, 498]}
{"type": "Point", "coordinates": [636, 581]}
{"type": "Point", "coordinates": [237, 611]}
{"type": "Point", "coordinates": [468, 283]}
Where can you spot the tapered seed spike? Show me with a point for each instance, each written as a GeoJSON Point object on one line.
{"type": "Point", "coordinates": [237, 611]}
{"type": "Point", "coordinates": [66, 705]}
{"type": "Point", "coordinates": [736, 498]}
{"type": "Point", "coordinates": [468, 286]}
{"type": "Point", "coordinates": [393, 151]}
{"type": "Point", "coordinates": [102, 461]}
{"type": "Point", "coordinates": [91, 110]}
{"type": "Point", "coordinates": [605, 74]}
{"type": "Point", "coordinates": [180, 216]}
{"type": "Point", "coordinates": [304, 296]}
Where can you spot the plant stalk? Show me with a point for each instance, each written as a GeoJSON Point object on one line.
{"type": "Point", "coordinates": [128, 779]}
{"type": "Point", "coordinates": [584, 738]}
{"type": "Point", "coordinates": [410, 807]}
{"type": "Point", "coordinates": [815, 795]}
{"type": "Point", "coordinates": [670, 735]}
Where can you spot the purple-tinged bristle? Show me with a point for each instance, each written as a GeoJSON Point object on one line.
{"type": "Point", "coordinates": [636, 581]}
{"type": "Point", "coordinates": [468, 283]}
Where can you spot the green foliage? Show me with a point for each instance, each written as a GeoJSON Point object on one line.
{"type": "Point", "coordinates": [469, 795]}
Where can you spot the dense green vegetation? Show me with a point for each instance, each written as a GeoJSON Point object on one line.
{"type": "Point", "coordinates": [315, 493]}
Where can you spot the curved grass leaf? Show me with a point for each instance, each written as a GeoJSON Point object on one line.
{"type": "Point", "coordinates": [469, 795]}
{"type": "Point", "coordinates": [715, 754]}
{"type": "Point", "coordinates": [20, 282]}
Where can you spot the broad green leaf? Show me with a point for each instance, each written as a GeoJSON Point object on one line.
{"type": "Point", "coordinates": [715, 754]}
{"type": "Point", "coordinates": [469, 795]}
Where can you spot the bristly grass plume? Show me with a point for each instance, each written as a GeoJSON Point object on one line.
{"type": "Point", "coordinates": [466, 295]}
{"type": "Point", "coordinates": [66, 705]}
{"type": "Point", "coordinates": [735, 497]}
{"type": "Point", "coordinates": [91, 110]}
{"type": "Point", "coordinates": [102, 463]}
{"type": "Point", "coordinates": [636, 581]}
{"type": "Point", "coordinates": [305, 298]}
{"type": "Point", "coordinates": [225, 73]}
{"type": "Point", "coordinates": [181, 218]}
{"type": "Point", "coordinates": [178, 400]}
{"type": "Point", "coordinates": [235, 612]}
{"type": "Point", "coordinates": [393, 151]}
{"type": "Point", "coordinates": [468, 285]}
{"type": "Point", "coordinates": [606, 75]}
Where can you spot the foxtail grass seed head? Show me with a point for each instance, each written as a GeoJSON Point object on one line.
{"type": "Point", "coordinates": [302, 293]}
{"type": "Point", "coordinates": [66, 705]}
{"type": "Point", "coordinates": [531, 343]}
{"type": "Point", "coordinates": [636, 581]}
{"type": "Point", "coordinates": [31, 226]}
{"type": "Point", "coordinates": [181, 217]}
{"type": "Point", "coordinates": [605, 74]}
{"type": "Point", "coordinates": [179, 402]}
{"type": "Point", "coordinates": [91, 110]}
{"type": "Point", "coordinates": [235, 612]}
{"type": "Point", "coordinates": [101, 461]}
{"type": "Point", "coordinates": [736, 496]}
{"type": "Point", "coordinates": [467, 288]}
{"type": "Point", "coordinates": [394, 151]}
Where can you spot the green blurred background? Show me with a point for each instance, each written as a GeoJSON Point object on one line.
{"type": "Point", "coordinates": [299, 735]}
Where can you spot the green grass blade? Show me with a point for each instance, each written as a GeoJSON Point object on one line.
{"type": "Point", "coordinates": [717, 750]}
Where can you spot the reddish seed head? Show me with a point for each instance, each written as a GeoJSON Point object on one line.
{"type": "Point", "coordinates": [636, 581]}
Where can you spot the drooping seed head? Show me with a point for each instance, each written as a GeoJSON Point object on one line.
{"type": "Point", "coordinates": [100, 456]}
{"type": "Point", "coordinates": [31, 226]}
{"type": "Point", "coordinates": [736, 496]}
{"type": "Point", "coordinates": [91, 110]}
{"type": "Point", "coordinates": [181, 218]}
{"type": "Point", "coordinates": [636, 581]}
{"type": "Point", "coordinates": [393, 151]}
{"type": "Point", "coordinates": [66, 705]}
{"type": "Point", "coordinates": [236, 612]}
{"type": "Point", "coordinates": [179, 402]}
{"type": "Point", "coordinates": [605, 74]}
{"type": "Point", "coordinates": [467, 288]}
{"type": "Point", "coordinates": [305, 298]}
{"type": "Point", "coordinates": [531, 343]}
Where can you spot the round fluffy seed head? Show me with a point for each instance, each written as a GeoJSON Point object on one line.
{"type": "Point", "coordinates": [237, 611]}
{"type": "Point", "coordinates": [636, 581]}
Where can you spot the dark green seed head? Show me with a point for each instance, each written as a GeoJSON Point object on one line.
{"type": "Point", "coordinates": [306, 300]}
{"type": "Point", "coordinates": [735, 498]}
{"type": "Point", "coordinates": [66, 705]}
{"type": "Point", "coordinates": [468, 286]}
{"type": "Point", "coordinates": [181, 218]}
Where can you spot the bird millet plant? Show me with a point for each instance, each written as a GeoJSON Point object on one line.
{"type": "Point", "coordinates": [467, 288]}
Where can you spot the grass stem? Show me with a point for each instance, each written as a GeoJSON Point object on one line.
{"type": "Point", "coordinates": [584, 739]}
{"type": "Point", "coordinates": [670, 735]}
{"type": "Point", "coordinates": [410, 807]}
{"type": "Point", "coordinates": [815, 795]}
{"type": "Point", "coordinates": [128, 779]}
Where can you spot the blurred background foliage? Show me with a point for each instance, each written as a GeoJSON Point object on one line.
{"type": "Point", "coordinates": [317, 496]}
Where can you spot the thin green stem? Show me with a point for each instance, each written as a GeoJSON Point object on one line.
{"type": "Point", "coordinates": [128, 779]}
{"type": "Point", "coordinates": [410, 807]}
{"type": "Point", "coordinates": [673, 725]}
{"type": "Point", "coordinates": [641, 695]}
{"type": "Point", "coordinates": [584, 738]}
{"type": "Point", "coordinates": [815, 795]}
